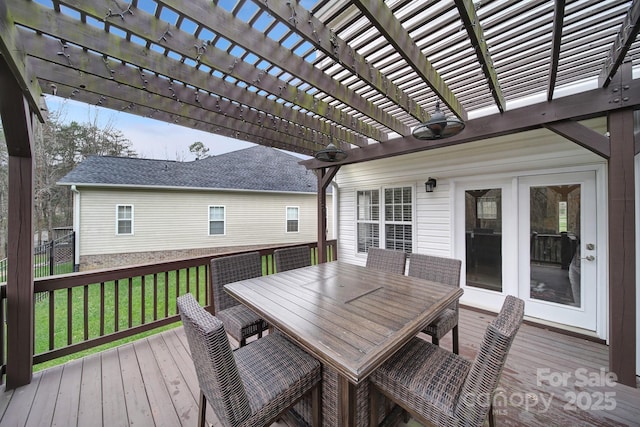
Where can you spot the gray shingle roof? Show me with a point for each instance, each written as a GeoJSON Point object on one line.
{"type": "Point", "coordinates": [257, 168]}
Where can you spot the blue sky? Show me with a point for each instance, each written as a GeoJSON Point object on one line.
{"type": "Point", "coordinates": [151, 139]}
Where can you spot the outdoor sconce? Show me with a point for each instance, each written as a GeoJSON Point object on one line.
{"type": "Point", "coordinates": [430, 185]}
{"type": "Point", "coordinates": [438, 126]}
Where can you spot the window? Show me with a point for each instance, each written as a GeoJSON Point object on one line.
{"type": "Point", "coordinates": [487, 208]}
{"type": "Point", "coordinates": [368, 220]}
{"type": "Point", "coordinates": [216, 220]}
{"type": "Point", "coordinates": [292, 219]}
{"type": "Point", "coordinates": [124, 219]}
{"type": "Point", "coordinates": [396, 223]}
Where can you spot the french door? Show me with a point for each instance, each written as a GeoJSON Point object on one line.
{"type": "Point", "coordinates": [534, 237]}
{"type": "Point", "coordinates": [558, 248]}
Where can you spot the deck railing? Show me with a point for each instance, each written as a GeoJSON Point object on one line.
{"type": "Point", "coordinates": [79, 311]}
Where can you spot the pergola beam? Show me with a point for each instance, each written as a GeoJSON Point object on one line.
{"type": "Point", "coordinates": [212, 123]}
{"type": "Point", "coordinates": [583, 136]}
{"type": "Point", "coordinates": [84, 62]}
{"type": "Point", "coordinates": [558, 21]}
{"type": "Point", "coordinates": [593, 103]}
{"type": "Point", "coordinates": [36, 17]}
{"type": "Point", "coordinates": [626, 36]}
{"type": "Point", "coordinates": [476, 35]}
{"type": "Point", "coordinates": [388, 25]}
{"type": "Point", "coordinates": [304, 23]}
{"type": "Point", "coordinates": [223, 23]}
{"type": "Point", "coordinates": [14, 56]}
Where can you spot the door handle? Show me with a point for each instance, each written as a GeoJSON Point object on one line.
{"type": "Point", "coordinates": [589, 258]}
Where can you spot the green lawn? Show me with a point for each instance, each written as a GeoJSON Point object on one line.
{"type": "Point", "coordinates": [123, 297]}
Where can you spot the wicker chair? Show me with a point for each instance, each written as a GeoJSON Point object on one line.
{"type": "Point", "coordinates": [440, 388]}
{"type": "Point", "coordinates": [290, 258]}
{"type": "Point", "coordinates": [254, 385]}
{"type": "Point", "coordinates": [386, 260]}
{"type": "Point", "coordinates": [442, 270]}
{"type": "Point", "coordinates": [239, 321]}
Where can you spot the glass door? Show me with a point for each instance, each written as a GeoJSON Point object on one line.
{"type": "Point", "coordinates": [557, 253]}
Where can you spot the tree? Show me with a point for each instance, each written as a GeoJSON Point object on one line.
{"type": "Point", "coordinates": [59, 148]}
{"type": "Point", "coordinates": [199, 150]}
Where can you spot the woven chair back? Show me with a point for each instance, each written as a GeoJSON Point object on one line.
{"type": "Point", "coordinates": [215, 365]}
{"type": "Point", "coordinates": [434, 268]}
{"type": "Point", "coordinates": [477, 391]}
{"type": "Point", "coordinates": [230, 269]}
{"type": "Point", "coordinates": [290, 258]}
{"type": "Point", "coordinates": [386, 260]}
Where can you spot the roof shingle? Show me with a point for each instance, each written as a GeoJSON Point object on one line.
{"type": "Point", "coordinates": [256, 168]}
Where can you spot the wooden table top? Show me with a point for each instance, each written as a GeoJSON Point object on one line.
{"type": "Point", "coordinates": [351, 318]}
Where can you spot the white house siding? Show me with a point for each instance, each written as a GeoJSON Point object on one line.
{"type": "Point", "coordinates": [526, 153]}
{"type": "Point", "coordinates": [178, 219]}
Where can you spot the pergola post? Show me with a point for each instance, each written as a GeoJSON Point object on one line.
{"type": "Point", "coordinates": [17, 124]}
{"type": "Point", "coordinates": [622, 246]}
{"type": "Point", "coordinates": [325, 175]}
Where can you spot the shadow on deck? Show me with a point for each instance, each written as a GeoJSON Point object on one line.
{"type": "Point", "coordinates": [549, 379]}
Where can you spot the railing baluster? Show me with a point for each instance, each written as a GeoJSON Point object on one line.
{"type": "Point", "coordinates": [130, 304]}
{"type": "Point", "coordinates": [52, 313]}
{"type": "Point", "coordinates": [188, 278]}
{"type": "Point", "coordinates": [197, 271]}
{"type": "Point", "coordinates": [177, 289]}
{"type": "Point", "coordinates": [155, 297]}
{"type": "Point", "coordinates": [142, 301]}
{"type": "Point", "coordinates": [166, 294]}
{"type": "Point", "coordinates": [69, 316]}
{"type": "Point", "coordinates": [86, 312]}
{"type": "Point", "coordinates": [102, 308]}
{"type": "Point", "coordinates": [116, 305]}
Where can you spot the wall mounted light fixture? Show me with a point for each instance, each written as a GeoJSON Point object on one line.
{"type": "Point", "coordinates": [430, 185]}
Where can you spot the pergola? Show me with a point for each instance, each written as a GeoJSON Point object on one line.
{"type": "Point", "coordinates": [300, 74]}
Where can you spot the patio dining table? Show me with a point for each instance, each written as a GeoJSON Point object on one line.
{"type": "Point", "coordinates": [349, 317]}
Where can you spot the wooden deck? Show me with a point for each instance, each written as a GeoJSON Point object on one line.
{"type": "Point", "coordinates": [549, 380]}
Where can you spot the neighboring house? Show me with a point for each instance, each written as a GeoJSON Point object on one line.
{"type": "Point", "coordinates": [513, 209]}
{"type": "Point", "coordinates": [132, 211]}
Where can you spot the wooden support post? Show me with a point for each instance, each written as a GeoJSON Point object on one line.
{"type": "Point", "coordinates": [17, 123]}
{"type": "Point", "coordinates": [322, 217]}
{"type": "Point", "coordinates": [325, 175]}
{"type": "Point", "coordinates": [622, 258]}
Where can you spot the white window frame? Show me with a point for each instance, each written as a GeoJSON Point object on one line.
{"type": "Point", "coordinates": [297, 219]}
{"type": "Point", "coordinates": [118, 220]}
{"type": "Point", "coordinates": [366, 221]}
{"type": "Point", "coordinates": [381, 221]}
{"type": "Point", "coordinates": [224, 220]}
{"type": "Point", "coordinates": [384, 222]}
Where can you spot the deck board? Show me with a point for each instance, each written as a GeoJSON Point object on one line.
{"type": "Point", "coordinates": [68, 398]}
{"type": "Point", "coordinates": [89, 411]}
{"type": "Point", "coordinates": [157, 384]}
{"type": "Point", "coordinates": [138, 407]}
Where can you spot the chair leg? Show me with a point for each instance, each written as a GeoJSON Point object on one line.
{"type": "Point", "coordinates": [373, 405]}
{"type": "Point", "coordinates": [455, 339]}
{"type": "Point", "coordinates": [316, 405]}
{"type": "Point", "coordinates": [243, 342]}
{"type": "Point", "coordinates": [492, 421]}
{"type": "Point", "coordinates": [202, 410]}
{"type": "Point", "coordinates": [435, 341]}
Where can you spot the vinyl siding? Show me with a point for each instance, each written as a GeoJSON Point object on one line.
{"type": "Point", "coordinates": [526, 153]}
{"type": "Point", "coordinates": [171, 220]}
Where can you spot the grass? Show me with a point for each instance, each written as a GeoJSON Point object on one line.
{"type": "Point", "coordinates": [126, 297]}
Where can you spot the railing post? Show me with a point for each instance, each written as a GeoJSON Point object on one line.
{"type": "Point", "coordinates": [52, 258]}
